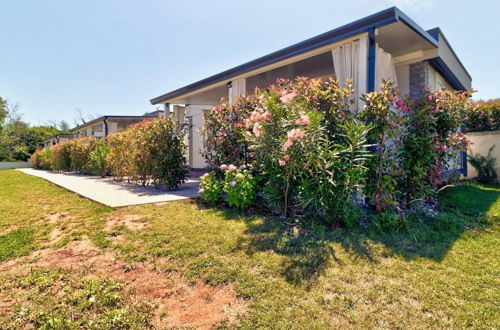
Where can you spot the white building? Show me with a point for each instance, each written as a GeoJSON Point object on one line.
{"type": "Point", "coordinates": [385, 45]}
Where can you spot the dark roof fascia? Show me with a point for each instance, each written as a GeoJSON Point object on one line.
{"type": "Point", "coordinates": [436, 32]}
{"type": "Point", "coordinates": [102, 118]}
{"type": "Point", "coordinates": [439, 64]}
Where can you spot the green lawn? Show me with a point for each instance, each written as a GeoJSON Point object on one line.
{"type": "Point", "coordinates": [438, 272]}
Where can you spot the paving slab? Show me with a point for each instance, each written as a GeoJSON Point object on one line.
{"type": "Point", "coordinates": [112, 193]}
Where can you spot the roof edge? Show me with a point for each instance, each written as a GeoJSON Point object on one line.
{"type": "Point", "coordinates": [381, 18]}
{"type": "Point", "coordinates": [93, 121]}
{"type": "Point", "coordinates": [435, 32]}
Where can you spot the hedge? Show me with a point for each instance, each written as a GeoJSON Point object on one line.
{"type": "Point", "coordinates": [148, 153]}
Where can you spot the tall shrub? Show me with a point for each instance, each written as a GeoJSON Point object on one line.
{"type": "Point", "coordinates": [122, 158]}
{"type": "Point", "coordinates": [80, 150]}
{"type": "Point", "coordinates": [387, 115]}
{"type": "Point", "coordinates": [308, 147]}
{"type": "Point", "coordinates": [98, 157]}
{"type": "Point", "coordinates": [151, 152]}
{"type": "Point", "coordinates": [431, 140]}
{"type": "Point", "coordinates": [167, 154]}
{"type": "Point", "coordinates": [224, 141]}
{"type": "Point", "coordinates": [61, 160]}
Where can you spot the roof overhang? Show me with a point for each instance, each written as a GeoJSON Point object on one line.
{"type": "Point", "coordinates": [448, 63]}
{"type": "Point", "coordinates": [360, 26]}
{"type": "Point", "coordinates": [102, 118]}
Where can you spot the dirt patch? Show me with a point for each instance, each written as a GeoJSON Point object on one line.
{"type": "Point", "coordinates": [177, 304]}
{"type": "Point", "coordinates": [8, 230]}
{"type": "Point", "coordinates": [54, 218]}
{"type": "Point", "coordinates": [131, 221]}
{"type": "Point", "coordinates": [55, 235]}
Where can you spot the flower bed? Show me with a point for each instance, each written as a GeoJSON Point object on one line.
{"type": "Point", "coordinates": [308, 153]}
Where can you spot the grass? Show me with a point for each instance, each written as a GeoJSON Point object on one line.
{"type": "Point", "coordinates": [438, 272]}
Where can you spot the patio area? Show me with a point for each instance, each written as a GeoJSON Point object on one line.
{"type": "Point", "coordinates": [112, 193]}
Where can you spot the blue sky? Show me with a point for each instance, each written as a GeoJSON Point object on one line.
{"type": "Point", "coordinates": [112, 56]}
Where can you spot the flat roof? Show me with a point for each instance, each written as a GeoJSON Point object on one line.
{"type": "Point", "coordinates": [93, 121]}
{"type": "Point", "coordinates": [381, 18]}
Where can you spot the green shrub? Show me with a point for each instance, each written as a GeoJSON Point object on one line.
{"type": "Point", "coordinates": [151, 152]}
{"type": "Point", "coordinates": [308, 144]}
{"type": "Point", "coordinates": [121, 159]}
{"type": "Point", "coordinates": [97, 158]}
{"type": "Point", "coordinates": [225, 141]}
{"type": "Point", "coordinates": [210, 188]}
{"type": "Point", "coordinates": [62, 157]}
{"type": "Point", "coordinates": [483, 116]}
{"type": "Point", "coordinates": [80, 150]}
{"type": "Point", "coordinates": [240, 187]}
{"type": "Point", "coordinates": [485, 166]}
{"type": "Point", "coordinates": [167, 151]}
{"type": "Point", "coordinates": [45, 158]}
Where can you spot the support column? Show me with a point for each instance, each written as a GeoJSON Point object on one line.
{"type": "Point", "coordinates": [419, 79]}
{"type": "Point", "coordinates": [371, 60]}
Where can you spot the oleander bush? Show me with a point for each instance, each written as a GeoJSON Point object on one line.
{"type": "Point", "coordinates": [61, 162]}
{"type": "Point", "coordinates": [315, 155]}
{"type": "Point", "coordinates": [98, 156]}
{"type": "Point", "coordinates": [80, 150]}
{"type": "Point", "coordinates": [225, 142]}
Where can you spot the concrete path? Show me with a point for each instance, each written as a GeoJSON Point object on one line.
{"type": "Point", "coordinates": [115, 194]}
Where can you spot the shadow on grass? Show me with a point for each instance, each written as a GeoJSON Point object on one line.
{"type": "Point", "coordinates": [308, 252]}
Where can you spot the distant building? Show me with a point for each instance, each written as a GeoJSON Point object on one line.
{"type": "Point", "coordinates": [55, 139]}
{"type": "Point", "coordinates": [103, 126]}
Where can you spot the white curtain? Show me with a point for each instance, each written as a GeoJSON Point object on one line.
{"type": "Point", "coordinates": [384, 68]}
{"type": "Point", "coordinates": [237, 89]}
{"type": "Point", "coordinates": [350, 62]}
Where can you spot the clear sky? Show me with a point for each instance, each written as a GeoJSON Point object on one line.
{"type": "Point", "coordinates": [113, 56]}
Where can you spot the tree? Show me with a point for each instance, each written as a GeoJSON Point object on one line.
{"type": "Point", "coordinates": [17, 139]}
{"type": "Point", "coordinates": [64, 126]}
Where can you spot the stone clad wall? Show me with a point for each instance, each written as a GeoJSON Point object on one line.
{"type": "Point", "coordinates": [419, 79]}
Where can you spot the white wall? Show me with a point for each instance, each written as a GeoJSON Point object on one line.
{"type": "Point", "coordinates": [9, 165]}
{"type": "Point", "coordinates": [436, 80]}
{"type": "Point", "coordinates": [481, 143]}
{"type": "Point", "coordinates": [196, 114]}
{"type": "Point", "coordinates": [403, 75]}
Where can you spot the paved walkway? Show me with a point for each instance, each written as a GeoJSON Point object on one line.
{"type": "Point", "coordinates": [115, 194]}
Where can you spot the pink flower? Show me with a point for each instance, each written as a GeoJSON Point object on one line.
{"type": "Point", "coordinates": [286, 157]}
{"type": "Point", "coordinates": [231, 168]}
{"type": "Point", "coordinates": [282, 162]}
{"type": "Point", "coordinates": [201, 190]}
{"type": "Point", "coordinates": [303, 120]}
{"type": "Point", "coordinates": [295, 134]}
{"type": "Point", "coordinates": [223, 167]}
{"type": "Point", "coordinates": [288, 97]}
{"type": "Point", "coordinates": [443, 147]}
{"type": "Point", "coordinates": [257, 130]}
{"type": "Point", "coordinates": [267, 115]}
{"type": "Point", "coordinates": [232, 183]}
{"type": "Point", "coordinates": [288, 145]}
{"type": "Point", "coordinates": [429, 98]}
{"type": "Point", "coordinates": [256, 117]}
